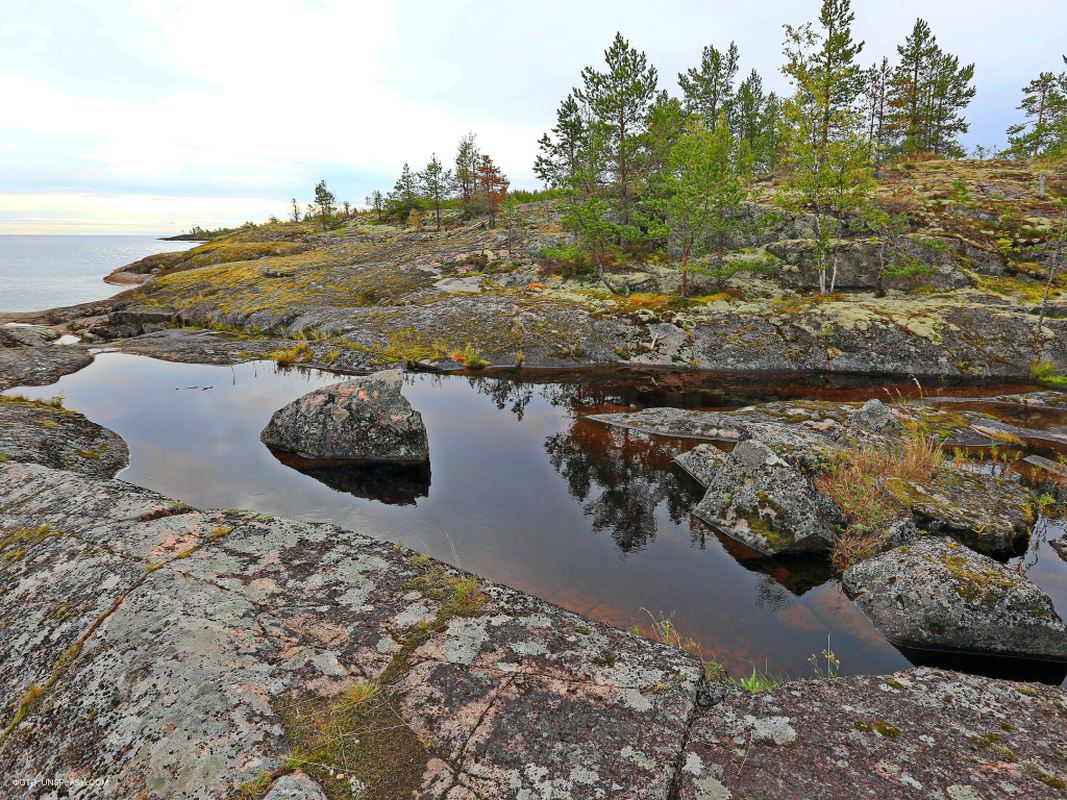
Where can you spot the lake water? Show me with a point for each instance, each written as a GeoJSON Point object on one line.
{"type": "Point", "coordinates": [522, 489]}
{"type": "Point", "coordinates": [39, 272]}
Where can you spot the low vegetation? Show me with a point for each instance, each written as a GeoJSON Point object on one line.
{"type": "Point", "coordinates": [869, 482]}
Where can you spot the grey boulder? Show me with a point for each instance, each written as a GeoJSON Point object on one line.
{"type": "Point", "coordinates": [936, 594]}
{"type": "Point", "coordinates": [360, 419]}
{"type": "Point", "coordinates": [758, 499]}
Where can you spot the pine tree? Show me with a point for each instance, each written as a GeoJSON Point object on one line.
{"type": "Point", "coordinates": [324, 199]}
{"type": "Point", "coordinates": [755, 121]}
{"type": "Point", "coordinates": [619, 101]}
{"type": "Point", "coordinates": [706, 191]}
{"type": "Point", "coordinates": [876, 98]}
{"type": "Point", "coordinates": [376, 201]}
{"type": "Point", "coordinates": [1045, 107]}
{"type": "Point", "coordinates": [557, 163]}
{"type": "Point", "coordinates": [296, 210]}
{"type": "Point", "coordinates": [436, 184]}
{"type": "Point", "coordinates": [466, 167]}
{"type": "Point", "coordinates": [929, 92]}
{"type": "Point", "coordinates": [405, 195]}
{"type": "Point", "coordinates": [828, 176]}
{"type": "Point", "coordinates": [839, 79]}
{"type": "Point", "coordinates": [709, 90]}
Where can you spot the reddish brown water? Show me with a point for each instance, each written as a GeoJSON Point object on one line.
{"type": "Point", "coordinates": [523, 490]}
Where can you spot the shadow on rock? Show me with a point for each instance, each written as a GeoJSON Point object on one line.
{"type": "Point", "coordinates": [1032, 670]}
{"type": "Point", "coordinates": [394, 484]}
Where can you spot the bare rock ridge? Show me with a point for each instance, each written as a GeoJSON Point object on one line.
{"type": "Point", "coordinates": [157, 650]}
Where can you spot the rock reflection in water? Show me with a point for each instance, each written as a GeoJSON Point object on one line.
{"type": "Point", "coordinates": [620, 477]}
{"type": "Point", "coordinates": [784, 578]}
{"type": "Point", "coordinates": [395, 484]}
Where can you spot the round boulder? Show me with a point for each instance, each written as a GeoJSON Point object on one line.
{"type": "Point", "coordinates": [364, 419]}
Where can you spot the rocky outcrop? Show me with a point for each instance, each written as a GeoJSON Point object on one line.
{"type": "Point", "coordinates": [985, 512]}
{"type": "Point", "coordinates": [915, 735]}
{"type": "Point", "coordinates": [858, 265]}
{"type": "Point", "coordinates": [57, 437]}
{"type": "Point", "coordinates": [361, 419]}
{"type": "Point", "coordinates": [758, 499]}
{"type": "Point", "coordinates": [938, 595]}
{"type": "Point", "coordinates": [39, 366]}
{"type": "Point", "coordinates": [141, 634]}
{"type": "Point", "coordinates": [27, 335]}
{"type": "Point", "coordinates": [1060, 546]}
{"type": "Point", "coordinates": [701, 463]}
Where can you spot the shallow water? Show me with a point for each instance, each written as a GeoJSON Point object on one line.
{"type": "Point", "coordinates": [39, 272]}
{"type": "Point", "coordinates": [522, 490]}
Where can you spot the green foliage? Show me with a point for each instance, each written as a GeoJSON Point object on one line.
{"type": "Point", "coordinates": [928, 94]}
{"type": "Point", "coordinates": [759, 681]}
{"type": "Point", "coordinates": [619, 101]}
{"type": "Point", "coordinates": [828, 156]}
{"type": "Point", "coordinates": [437, 184]}
{"type": "Point", "coordinates": [1045, 107]}
{"type": "Point", "coordinates": [324, 199]}
{"type": "Point", "coordinates": [705, 193]}
{"type": "Point", "coordinates": [709, 90]}
{"type": "Point", "coordinates": [405, 196]}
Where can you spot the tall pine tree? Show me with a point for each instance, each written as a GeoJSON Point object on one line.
{"type": "Point", "coordinates": [1045, 107]}
{"type": "Point", "coordinates": [557, 163]}
{"type": "Point", "coordinates": [619, 100]}
{"type": "Point", "coordinates": [929, 92]}
{"type": "Point", "coordinates": [709, 89]}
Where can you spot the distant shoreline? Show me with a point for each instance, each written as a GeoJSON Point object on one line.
{"type": "Point", "coordinates": [185, 237]}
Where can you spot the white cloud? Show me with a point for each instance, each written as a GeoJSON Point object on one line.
{"type": "Point", "coordinates": [204, 98]}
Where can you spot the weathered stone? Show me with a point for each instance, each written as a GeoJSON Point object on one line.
{"type": "Point", "coordinates": [173, 680]}
{"type": "Point", "coordinates": [874, 416]}
{"type": "Point", "coordinates": [27, 335]}
{"type": "Point", "coordinates": [858, 265]}
{"type": "Point", "coordinates": [900, 533]}
{"type": "Point", "coordinates": [295, 786]}
{"type": "Point", "coordinates": [800, 446]}
{"type": "Point", "coordinates": [1060, 546]}
{"type": "Point", "coordinates": [915, 735]}
{"type": "Point", "coordinates": [758, 499]}
{"type": "Point", "coordinates": [39, 366]}
{"type": "Point", "coordinates": [361, 419]}
{"type": "Point", "coordinates": [59, 438]}
{"type": "Point", "coordinates": [938, 595]}
{"type": "Point", "coordinates": [985, 512]}
{"type": "Point", "coordinates": [701, 462]}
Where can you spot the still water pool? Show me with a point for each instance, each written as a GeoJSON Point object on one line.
{"type": "Point", "coordinates": [522, 489]}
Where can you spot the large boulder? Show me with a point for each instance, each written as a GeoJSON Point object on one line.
{"type": "Point", "coordinates": [936, 594]}
{"type": "Point", "coordinates": [985, 512]}
{"type": "Point", "coordinates": [363, 419]}
{"type": "Point", "coordinates": [758, 499]}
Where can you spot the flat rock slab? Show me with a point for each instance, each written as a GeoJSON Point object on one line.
{"type": "Point", "coordinates": [59, 438]}
{"type": "Point", "coordinates": [170, 642]}
{"type": "Point", "coordinates": [1060, 546]}
{"type": "Point", "coordinates": [938, 595]}
{"type": "Point", "coordinates": [918, 735]}
{"type": "Point", "coordinates": [21, 335]}
{"type": "Point", "coordinates": [40, 366]}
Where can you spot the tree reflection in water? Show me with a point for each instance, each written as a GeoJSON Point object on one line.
{"type": "Point", "coordinates": [620, 478]}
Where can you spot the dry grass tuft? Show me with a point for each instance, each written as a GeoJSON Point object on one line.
{"type": "Point", "coordinates": [868, 482]}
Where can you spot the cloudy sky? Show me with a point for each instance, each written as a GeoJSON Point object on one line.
{"type": "Point", "coordinates": [152, 115]}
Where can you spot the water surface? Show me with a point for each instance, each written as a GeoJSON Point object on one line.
{"type": "Point", "coordinates": [522, 490]}
{"type": "Point", "coordinates": [39, 272]}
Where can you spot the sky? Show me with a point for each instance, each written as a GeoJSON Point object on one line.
{"type": "Point", "coordinates": [152, 116]}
